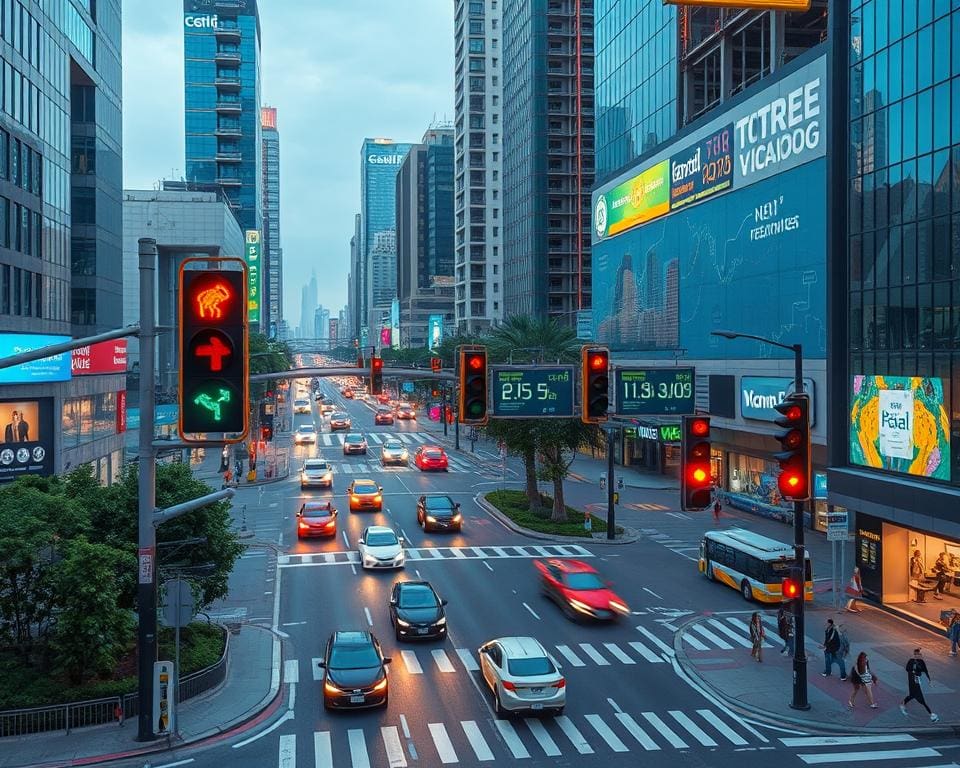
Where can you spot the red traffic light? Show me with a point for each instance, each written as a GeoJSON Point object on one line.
{"type": "Point", "coordinates": [789, 589]}
{"type": "Point", "coordinates": [475, 362]}
{"type": "Point", "coordinates": [598, 362]}
{"type": "Point", "coordinates": [377, 364]}
{"type": "Point", "coordinates": [699, 475]}
{"type": "Point", "coordinates": [210, 298]}
{"type": "Point", "coordinates": [793, 413]}
{"type": "Point", "coordinates": [699, 427]}
{"type": "Point", "coordinates": [790, 482]}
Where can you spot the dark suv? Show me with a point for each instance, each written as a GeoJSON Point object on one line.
{"type": "Point", "coordinates": [439, 513]}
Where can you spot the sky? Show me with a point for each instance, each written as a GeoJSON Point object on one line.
{"type": "Point", "coordinates": [337, 71]}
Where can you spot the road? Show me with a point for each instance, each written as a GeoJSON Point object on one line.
{"type": "Point", "coordinates": [628, 701]}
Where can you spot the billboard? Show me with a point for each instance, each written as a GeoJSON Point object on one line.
{"type": "Point", "coordinates": [638, 199]}
{"type": "Point", "coordinates": [334, 329]}
{"type": "Point", "coordinates": [760, 395]}
{"type": "Point", "coordinates": [395, 322]}
{"type": "Point", "coordinates": [26, 437]}
{"type": "Point", "coordinates": [434, 331]}
{"type": "Point", "coordinates": [386, 335]}
{"type": "Point", "coordinates": [253, 275]}
{"type": "Point", "coordinates": [900, 424]}
{"type": "Point", "coordinates": [105, 357]}
{"type": "Point", "coordinates": [56, 368]}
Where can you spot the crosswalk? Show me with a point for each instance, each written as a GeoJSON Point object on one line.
{"type": "Point", "coordinates": [373, 465]}
{"type": "Point", "coordinates": [346, 557]}
{"type": "Point", "coordinates": [687, 548]}
{"type": "Point", "coordinates": [416, 742]}
{"type": "Point", "coordinates": [858, 750]}
{"type": "Point", "coordinates": [335, 439]}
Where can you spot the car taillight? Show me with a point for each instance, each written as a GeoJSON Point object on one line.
{"type": "Point", "coordinates": [561, 683]}
{"type": "Point", "coordinates": [508, 686]}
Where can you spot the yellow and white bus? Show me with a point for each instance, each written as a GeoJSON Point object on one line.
{"type": "Point", "coordinates": [752, 564]}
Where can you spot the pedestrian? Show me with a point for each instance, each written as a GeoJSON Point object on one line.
{"type": "Point", "coordinates": [831, 651]}
{"type": "Point", "coordinates": [785, 628]}
{"type": "Point", "coordinates": [862, 677]}
{"type": "Point", "coordinates": [756, 636]}
{"type": "Point", "coordinates": [227, 478]}
{"type": "Point", "coordinates": [844, 644]}
{"type": "Point", "coordinates": [854, 591]}
{"type": "Point", "coordinates": [717, 508]}
{"type": "Point", "coordinates": [916, 669]}
{"type": "Point", "coordinates": [953, 633]}
{"type": "Point", "coordinates": [943, 574]}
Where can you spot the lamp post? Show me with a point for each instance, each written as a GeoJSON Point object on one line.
{"type": "Point", "coordinates": [799, 654]}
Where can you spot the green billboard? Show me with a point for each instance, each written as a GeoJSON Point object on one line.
{"type": "Point", "coordinates": [641, 198]}
{"type": "Point", "coordinates": [253, 275]}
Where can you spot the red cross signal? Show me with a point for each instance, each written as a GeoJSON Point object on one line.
{"type": "Point", "coordinates": [216, 350]}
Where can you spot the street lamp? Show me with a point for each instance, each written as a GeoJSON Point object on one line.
{"type": "Point", "coordinates": [799, 655]}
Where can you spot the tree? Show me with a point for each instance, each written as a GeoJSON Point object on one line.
{"type": "Point", "coordinates": [558, 441]}
{"type": "Point", "coordinates": [266, 357]}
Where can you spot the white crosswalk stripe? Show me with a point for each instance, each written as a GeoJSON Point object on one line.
{"type": "Point", "coordinates": [411, 663]}
{"type": "Point", "coordinates": [441, 740]}
{"type": "Point", "coordinates": [539, 731]}
{"type": "Point", "coordinates": [288, 751]}
{"type": "Point", "coordinates": [717, 641]}
{"type": "Point", "coordinates": [479, 745]}
{"type": "Point", "coordinates": [731, 735]}
{"type": "Point", "coordinates": [664, 730]}
{"type": "Point", "coordinates": [511, 739]}
{"type": "Point", "coordinates": [470, 663]}
{"type": "Point", "coordinates": [742, 635]}
{"type": "Point", "coordinates": [443, 663]}
{"type": "Point", "coordinates": [880, 754]}
{"type": "Point", "coordinates": [315, 668]}
{"type": "Point", "coordinates": [646, 652]}
{"type": "Point", "coordinates": [322, 750]}
{"type": "Point", "coordinates": [619, 655]}
{"type": "Point", "coordinates": [570, 656]}
{"type": "Point", "coordinates": [393, 747]}
{"type": "Point", "coordinates": [634, 729]}
{"type": "Point", "coordinates": [573, 733]}
{"type": "Point", "coordinates": [594, 655]}
{"type": "Point", "coordinates": [358, 748]}
{"type": "Point", "coordinates": [460, 554]}
{"type": "Point", "coordinates": [694, 643]}
{"type": "Point", "coordinates": [692, 728]}
{"type": "Point", "coordinates": [606, 733]}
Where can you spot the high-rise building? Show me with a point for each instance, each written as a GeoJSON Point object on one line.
{"type": "Point", "coordinates": [272, 278]}
{"type": "Point", "coordinates": [478, 276]}
{"type": "Point", "coordinates": [321, 323]}
{"type": "Point", "coordinates": [355, 284]}
{"type": "Point", "coordinates": [380, 160]}
{"type": "Point", "coordinates": [548, 156]}
{"type": "Point", "coordinates": [60, 231]}
{"type": "Point", "coordinates": [308, 307]}
{"type": "Point", "coordinates": [222, 84]}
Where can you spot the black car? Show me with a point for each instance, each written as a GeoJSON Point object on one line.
{"type": "Point", "coordinates": [439, 513]}
{"type": "Point", "coordinates": [354, 672]}
{"type": "Point", "coordinates": [416, 611]}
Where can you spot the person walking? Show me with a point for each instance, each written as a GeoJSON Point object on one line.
{"type": "Point", "coordinates": [227, 478]}
{"type": "Point", "coordinates": [916, 669]}
{"type": "Point", "coordinates": [862, 677]}
{"type": "Point", "coordinates": [943, 573]}
{"type": "Point", "coordinates": [756, 636]}
{"type": "Point", "coordinates": [844, 650]}
{"type": "Point", "coordinates": [953, 633]}
{"type": "Point", "coordinates": [831, 651]}
{"type": "Point", "coordinates": [717, 508]}
{"type": "Point", "coordinates": [854, 591]}
{"type": "Point", "coordinates": [785, 628]}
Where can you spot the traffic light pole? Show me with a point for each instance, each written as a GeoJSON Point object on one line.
{"type": "Point", "coordinates": [611, 507]}
{"type": "Point", "coordinates": [799, 652]}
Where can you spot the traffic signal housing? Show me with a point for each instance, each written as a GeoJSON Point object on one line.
{"type": "Point", "coordinates": [696, 481]}
{"type": "Point", "coordinates": [595, 384]}
{"type": "Point", "coordinates": [791, 587]}
{"type": "Point", "coordinates": [472, 401]}
{"type": "Point", "coordinates": [214, 359]}
{"type": "Point", "coordinates": [795, 475]}
{"type": "Point", "coordinates": [376, 375]}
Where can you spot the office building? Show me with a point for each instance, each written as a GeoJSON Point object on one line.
{"type": "Point", "coordinates": [425, 236]}
{"type": "Point", "coordinates": [272, 259]}
{"type": "Point", "coordinates": [478, 54]}
{"type": "Point", "coordinates": [60, 231]}
{"type": "Point", "coordinates": [222, 81]}
{"type": "Point", "coordinates": [548, 146]}
{"type": "Point", "coordinates": [355, 283]}
{"type": "Point", "coordinates": [308, 307]}
{"type": "Point", "coordinates": [321, 323]}
{"type": "Point", "coordinates": [895, 330]}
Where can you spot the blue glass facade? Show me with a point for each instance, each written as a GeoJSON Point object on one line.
{"type": "Point", "coordinates": [222, 101]}
{"type": "Point", "coordinates": [439, 168]}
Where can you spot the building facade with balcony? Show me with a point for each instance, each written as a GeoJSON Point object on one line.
{"type": "Point", "coordinates": [272, 251]}
{"type": "Point", "coordinates": [548, 148]}
{"type": "Point", "coordinates": [222, 97]}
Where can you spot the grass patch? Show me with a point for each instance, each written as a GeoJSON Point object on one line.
{"type": "Point", "coordinates": [514, 504]}
{"type": "Point", "coordinates": [21, 686]}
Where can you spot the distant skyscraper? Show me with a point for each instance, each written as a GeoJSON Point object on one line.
{"type": "Point", "coordinates": [355, 284]}
{"type": "Point", "coordinates": [222, 79]}
{"type": "Point", "coordinates": [308, 307]}
{"type": "Point", "coordinates": [272, 286]}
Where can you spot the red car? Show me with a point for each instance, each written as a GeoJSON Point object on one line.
{"type": "Point", "coordinates": [383, 416]}
{"type": "Point", "coordinates": [316, 518]}
{"type": "Point", "coordinates": [430, 457]}
{"type": "Point", "coordinates": [383, 399]}
{"type": "Point", "coordinates": [579, 591]}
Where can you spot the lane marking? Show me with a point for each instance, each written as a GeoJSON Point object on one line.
{"type": "Point", "coordinates": [179, 762]}
{"type": "Point", "coordinates": [411, 662]}
{"type": "Point", "coordinates": [288, 750]}
{"type": "Point", "coordinates": [618, 654]}
{"type": "Point", "coordinates": [571, 732]}
{"type": "Point", "coordinates": [692, 728]}
{"type": "Point", "coordinates": [655, 640]}
{"type": "Point", "coordinates": [317, 671]}
{"type": "Point", "coordinates": [466, 656]}
{"type": "Point", "coordinates": [652, 593]}
{"type": "Point", "coordinates": [637, 732]}
{"type": "Point", "coordinates": [404, 727]}
{"type": "Point", "coordinates": [488, 566]}
{"type": "Point", "coordinates": [443, 663]}
{"type": "Point", "coordinates": [548, 745]}
{"type": "Point", "coordinates": [645, 652]}
{"type": "Point", "coordinates": [510, 738]}
{"type": "Point", "coordinates": [393, 747]}
{"type": "Point", "coordinates": [532, 612]}
{"type": "Point", "coordinates": [594, 655]}
{"type": "Point", "coordinates": [731, 735]}
{"type": "Point", "coordinates": [291, 671]}
{"type": "Point", "coordinates": [346, 541]}
{"type": "Point", "coordinates": [606, 733]}
{"type": "Point", "coordinates": [369, 617]}
{"type": "Point", "coordinates": [841, 741]}
{"type": "Point", "coordinates": [571, 656]}
{"type": "Point", "coordinates": [853, 757]}
{"type": "Point", "coordinates": [477, 742]}
{"type": "Point", "coordinates": [443, 744]}
{"type": "Point", "coordinates": [288, 715]}
{"type": "Point", "coordinates": [663, 729]}
{"type": "Point", "coordinates": [358, 748]}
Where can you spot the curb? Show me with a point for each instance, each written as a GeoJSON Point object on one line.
{"type": "Point", "coordinates": [780, 719]}
{"type": "Point", "coordinates": [630, 535]}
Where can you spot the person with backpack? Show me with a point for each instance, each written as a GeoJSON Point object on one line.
{"type": "Point", "coordinates": [785, 628]}
{"type": "Point", "coordinates": [831, 651]}
{"type": "Point", "coordinates": [862, 677]}
{"type": "Point", "coordinates": [916, 669]}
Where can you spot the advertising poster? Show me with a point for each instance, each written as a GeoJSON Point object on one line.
{"type": "Point", "coordinates": [26, 437]}
{"type": "Point", "coordinates": [385, 336]}
{"type": "Point", "coordinates": [105, 357]}
{"type": "Point", "coordinates": [900, 424]}
{"type": "Point", "coordinates": [434, 331]}
{"type": "Point", "coordinates": [55, 368]}
{"type": "Point", "coordinates": [395, 322]}
{"type": "Point", "coordinates": [253, 275]}
{"type": "Point", "coordinates": [646, 196]}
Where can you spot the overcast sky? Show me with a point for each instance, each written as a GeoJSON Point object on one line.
{"type": "Point", "coordinates": [337, 71]}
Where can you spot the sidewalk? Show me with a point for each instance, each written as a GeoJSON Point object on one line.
{"type": "Point", "coordinates": [764, 690]}
{"type": "Point", "coordinates": [252, 682]}
{"type": "Point", "coordinates": [587, 469]}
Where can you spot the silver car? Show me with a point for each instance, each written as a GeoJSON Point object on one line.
{"type": "Point", "coordinates": [393, 452]}
{"type": "Point", "coordinates": [316, 472]}
{"type": "Point", "coordinates": [522, 676]}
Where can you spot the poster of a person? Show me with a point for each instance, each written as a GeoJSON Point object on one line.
{"type": "Point", "coordinates": [19, 422]}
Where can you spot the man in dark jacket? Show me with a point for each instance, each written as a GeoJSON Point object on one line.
{"type": "Point", "coordinates": [785, 628]}
{"type": "Point", "coordinates": [917, 668]}
{"type": "Point", "coordinates": [831, 651]}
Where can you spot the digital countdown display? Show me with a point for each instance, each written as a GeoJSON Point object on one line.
{"type": "Point", "coordinates": [654, 391]}
{"type": "Point", "coordinates": [528, 392]}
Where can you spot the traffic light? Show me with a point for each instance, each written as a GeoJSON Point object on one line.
{"type": "Point", "coordinates": [214, 384]}
{"type": "Point", "coordinates": [696, 482]}
{"type": "Point", "coordinates": [473, 385]}
{"type": "Point", "coordinates": [436, 364]}
{"type": "Point", "coordinates": [376, 375]}
{"type": "Point", "coordinates": [790, 587]}
{"type": "Point", "coordinates": [794, 459]}
{"type": "Point", "coordinates": [595, 384]}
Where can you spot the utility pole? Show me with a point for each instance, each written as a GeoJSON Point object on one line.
{"type": "Point", "coordinates": [611, 507]}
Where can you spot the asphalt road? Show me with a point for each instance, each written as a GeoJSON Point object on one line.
{"type": "Point", "coordinates": [628, 702]}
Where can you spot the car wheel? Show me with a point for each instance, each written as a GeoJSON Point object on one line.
{"type": "Point", "coordinates": [498, 707]}
{"type": "Point", "coordinates": [746, 591]}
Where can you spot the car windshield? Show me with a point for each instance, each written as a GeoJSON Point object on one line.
{"type": "Point", "coordinates": [530, 667]}
{"type": "Point", "coordinates": [306, 428]}
{"type": "Point", "coordinates": [417, 597]}
{"type": "Point", "coordinates": [381, 539]}
{"type": "Point", "coordinates": [315, 465]}
{"type": "Point", "coordinates": [354, 438]}
{"type": "Point", "coordinates": [393, 445]}
{"type": "Point", "coordinates": [353, 657]}
{"type": "Point", "coordinates": [364, 488]}
{"type": "Point", "coordinates": [583, 581]}
{"type": "Point", "coordinates": [323, 511]}
{"type": "Point", "coordinates": [339, 415]}
{"type": "Point", "coordinates": [438, 503]}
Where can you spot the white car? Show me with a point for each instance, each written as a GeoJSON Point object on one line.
{"type": "Point", "coordinates": [522, 676]}
{"type": "Point", "coordinates": [380, 547]}
{"type": "Point", "coordinates": [316, 472]}
{"type": "Point", "coordinates": [393, 452]}
{"type": "Point", "coordinates": [301, 406]}
{"type": "Point", "coordinates": [306, 433]}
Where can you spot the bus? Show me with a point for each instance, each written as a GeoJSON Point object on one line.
{"type": "Point", "coordinates": [752, 564]}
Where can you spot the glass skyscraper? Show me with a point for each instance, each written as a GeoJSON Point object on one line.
{"type": "Point", "coordinates": [272, 252]}
{"type": "Point", "coordinates": [222, 84]}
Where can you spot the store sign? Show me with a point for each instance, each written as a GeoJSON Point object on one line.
{"type": "Point", "coordinates": [638, 199]}
{"type": "Point", "coordinates": [760, 395]}
{"type": "Point", "coordinates": [105, 357]}
{"type": "Point", "coordinates": [121, 411]}
{"type": "Point", "coordinates": [820, 485]}
{"type": "Point", "coordinates": [55, 368]}
{"type": "Point", "coordinates": [900, 424]}
{"type": "Point", "coordinates": [702, 170]}
{"type": "Point", "coordinates": [253, 275]}
{"type": "Point", "coordinates": [648, 433]}
{"type": "Point", "coordinates": [434, 331]}
{"type": "Point", "coordinates": [26, 437]}
{"type": "Point", "coordinates": [585, 325]}
{"type": "Point", "coordinates": [670, 433]}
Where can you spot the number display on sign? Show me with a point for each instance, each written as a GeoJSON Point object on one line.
{"type": "Point", "coordinates": [652, 391]}
{"type": "Point", "coordinates": [527, 392]}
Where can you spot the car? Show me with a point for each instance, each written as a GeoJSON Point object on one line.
{"type": "Point", "coordinates": [430, 457]}
{"type": "Point", "coordinates": [522, 676]}
{"type": "Point", "coordinates": [301, 406]}
{"type": "Point", "coordinates": [365, 494]}
{"type": "Point", "coordinates": [326, 407]}
{"type": "Point", "coordinates": [348, 393]}
{"type": "Point", "coordinates": [316, 472]}
{"type": "Point", "coordinates": [306, 433]}
{"type": "Point", "coordinates": [406, 411]}
{"type": "Point", "coordinates": [340, 420]}
{"type": "Point", "coordinates": [416, 611]}
{"type": "Point", "coordinates": [383, 416]}
{"type": "Point", "coordinates": [393, 452]}
{"type": "Point", "coordinates": [380, 547]}
{"type": "Point", "coordinates": [383, 398]}
{"type": "Point", "coordinates": [578, 589]}
{"type": "Point", "coordinates": [354, 672]}
{"type": "Point", "coordinates": [354, 443]}
{"type": "Point", "coordinates": [316, 518]}
{"type": "Point", "coordinates": [439, 513]}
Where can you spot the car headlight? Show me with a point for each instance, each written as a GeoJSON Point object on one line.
{"type": "Point", "coordinates": [441, 621]}
{"type": "Point", "coordinates": [402, 623]}
{"type": "Point", "coordinates": [582, 607]}
{"type": "Point", "coordinates": [431, 519]}
{"type": "Point", "coordinates": [457, 517]}
{"type": "Point", "coordinates": [400, 557]}
{"type": "Point", "coordinates": [619, 607]}
{"type": "Point", "coordinates": [329, 687]}
{"type": "Point", "coordinates": [380, 686]}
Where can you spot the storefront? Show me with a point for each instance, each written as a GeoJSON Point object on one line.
{"type": "Point", "coordinates": [652, 446]}
{"type": "Point", "coordinates": [908, 570]}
